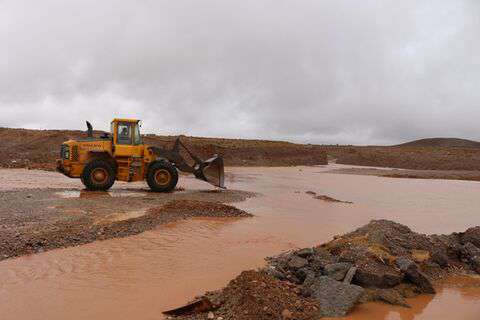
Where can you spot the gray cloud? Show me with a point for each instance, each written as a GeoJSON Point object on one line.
{"type": "Point", "coordinates": [313, 71]}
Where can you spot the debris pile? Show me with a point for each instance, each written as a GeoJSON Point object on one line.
{"type": "Point", "coordinates": [199, 208]}
{"type": "Point", "coordinates": [325, 198]}
{"type": "Point", "coordinates": [381, 261]}
{"type": "Point", "coordinates": [256, 295]}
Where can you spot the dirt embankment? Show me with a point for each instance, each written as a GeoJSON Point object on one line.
{"type": "Point", "coordinates": [412, 174]}
{"type": "Point", "coordinates": [38, 149]}
{"type": "Point", "coordinates": [381, 261]}
{"type": "Point", "coordinates": [34, 221]}
{"type": "Point", "coordinates": [416, 158]}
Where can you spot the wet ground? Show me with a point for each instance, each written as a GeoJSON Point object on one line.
{"type": "Point", "coordinates": [139, 276]}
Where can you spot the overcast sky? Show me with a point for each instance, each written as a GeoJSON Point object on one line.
{"type": "Point", "coordinates": [361, 72]}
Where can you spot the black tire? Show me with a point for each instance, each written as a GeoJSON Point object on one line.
{"type": "Point", "coordinates": [98, 175]}
{"type": "Point", "coordinates": [162, 176]}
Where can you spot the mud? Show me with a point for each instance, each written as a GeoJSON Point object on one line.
{"type": "Point", "coordinates": [34, 221]}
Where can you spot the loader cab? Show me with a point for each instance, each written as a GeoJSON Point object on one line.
{"type": "Point", "coordinates": [126, 138]}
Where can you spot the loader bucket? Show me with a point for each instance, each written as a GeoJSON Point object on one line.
{"type": "Point", "coordinates": [212, 171]}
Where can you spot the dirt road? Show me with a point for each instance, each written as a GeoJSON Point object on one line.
{"type": "Point", "coordinates": [140, 276]}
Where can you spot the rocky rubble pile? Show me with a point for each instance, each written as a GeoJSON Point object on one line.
{"type": "Point", "coordinates": [381, 261]}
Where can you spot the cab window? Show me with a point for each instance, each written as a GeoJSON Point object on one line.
{"type": "Point", "coordinates": [137, 138]}
{"type": "Point", "coordinates": [124, 132]}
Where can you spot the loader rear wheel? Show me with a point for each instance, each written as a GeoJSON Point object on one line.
{"type": "Point", "coordinates": [98, 175]}
{"type": "Point", "coordinates": [162, 176]}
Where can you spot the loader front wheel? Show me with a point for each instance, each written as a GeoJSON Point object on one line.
{"type": "Point", "coordinates": [98, 175]}
{"type": "Point", "coordinates": [162, 176]}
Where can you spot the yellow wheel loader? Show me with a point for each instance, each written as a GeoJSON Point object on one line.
{"type": "Point", "coordinates": [122, 155]}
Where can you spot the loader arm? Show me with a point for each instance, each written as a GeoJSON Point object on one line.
{"type": "Point", "coordinates": [210, 170]}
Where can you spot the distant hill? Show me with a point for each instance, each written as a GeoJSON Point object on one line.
{"type": "Point", "coordinates": [442, 142]}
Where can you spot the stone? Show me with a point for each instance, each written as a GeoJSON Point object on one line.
{"type": "Point", "coordinates": [350, 274]}
{"type": "Point", "coordinates": [336, 299]}
{"type": "Point", "coordinates": [373, 277]}
{"type": "Point", "coordinates": [304, 253]}
{"type": "Point", "coordinates": [472, 255]}
{"type": "Point", "coordinates": [303, 273]}
{"type": "Point", "coordinates": [390, 296]}
{"type": "Point", "coordinates": [337, 271]}
{"type": "Point", "coordinates": [276, 273]}
{"type": "Point", "coordinates": [321, 258]}
{"type": "Point", "coordinates": [472, 235]}
{"type": "Point", "coordinates": [210, 315]}
{"type": "Point", "coordinates": [287, 314]}
{"type": "Point", "coordinates": [469, 250]}
{"type": "Point", "coordinates": [295, 262]}
{"type": "Point", "coordinates": [440, 258]}
{"type": "Point", "coordinates": [307, 283]}
{"type": "Point", "coordinates": [414, 275]}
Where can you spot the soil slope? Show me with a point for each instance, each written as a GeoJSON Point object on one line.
{"type": "Point", "coordinates": [416, 158]}
{"type": "Point", "coordinates": [38, 149]}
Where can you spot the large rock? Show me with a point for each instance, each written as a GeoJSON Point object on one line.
{"type": "Point", "coordinates": [414, 275]}
{"type": "Point", "coordinates": [377, 276]}
{"type": "Point", "coordinates": [305, 252]}
{"type": "Point", "coordinates": [440, 257]}
{"type": "Point", "coordinates": [296, 262]}
{"type": "Point", "coordinates": [350, 274]}
{"type": "Point", "coordinates": [321, 257]}
{"type": "Point", "coordinates": [472, 235]}
{"type": "Point", "coordinates": [390, 296]}
{"type": "Point", "coordinates": [471, 254]}
{"type": "Point", "coordinates": [336, 298]}
{"type": "Point", "coordinates": [337, 271]}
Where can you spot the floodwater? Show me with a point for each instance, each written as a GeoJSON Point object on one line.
{"type": "Point", "coordinates": [140, 276]}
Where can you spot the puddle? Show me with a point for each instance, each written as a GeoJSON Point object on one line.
{"type": "Point", "coordinates": [120, 216]}
{"type": "Point", "coordinates": [84, 194]}
{"type": "Point", "coordinates": [140, 276]}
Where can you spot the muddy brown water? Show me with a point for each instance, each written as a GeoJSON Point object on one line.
{"type": "Point", "coordinates": [139, 276]}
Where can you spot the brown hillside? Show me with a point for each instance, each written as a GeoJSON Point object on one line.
{"type": "Point", "coordinates": [418, 158]}
{"type": "Point", "coordinates": [40, 148]}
